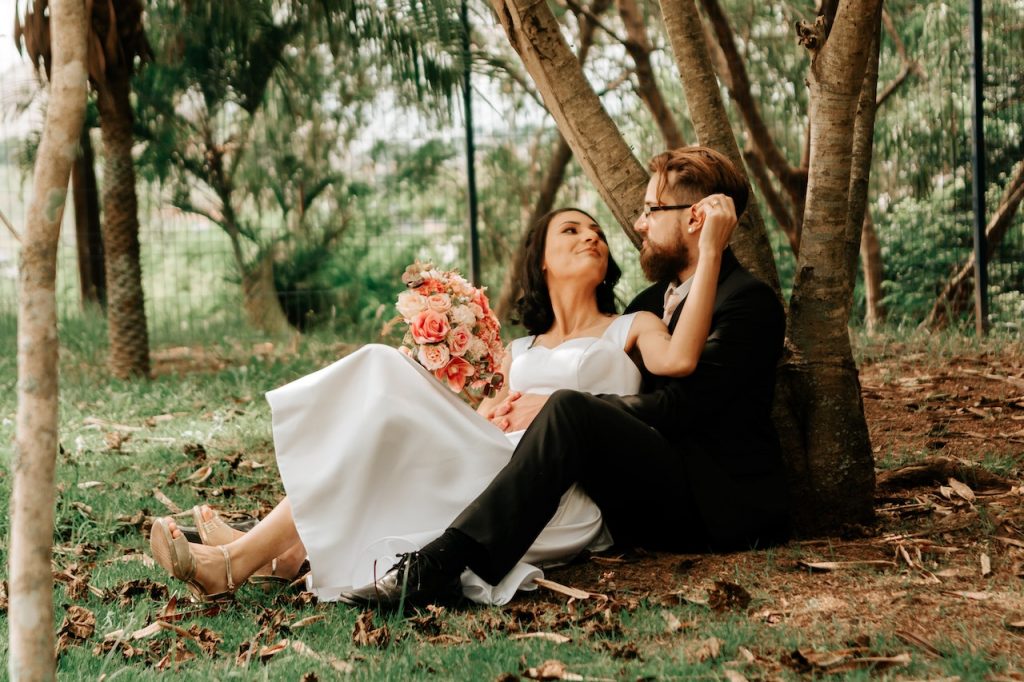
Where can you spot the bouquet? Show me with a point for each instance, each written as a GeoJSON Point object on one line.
{"type": "Point", "coordinates": [452, 331]}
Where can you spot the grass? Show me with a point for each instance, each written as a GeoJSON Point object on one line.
{"type": "Point", "coordinates": [122, 440]}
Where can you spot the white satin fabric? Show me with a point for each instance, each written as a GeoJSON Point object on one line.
{"type": "Point", "coordinates": [378, 458]}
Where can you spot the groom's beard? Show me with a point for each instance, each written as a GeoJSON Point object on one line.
{"type": "Point", "coordinates": [664, 262]}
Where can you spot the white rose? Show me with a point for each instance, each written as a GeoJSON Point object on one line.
{"type": "Point", "coordinates": [410, 304]}
{"type": "Point", "coordinates": [462, 315]}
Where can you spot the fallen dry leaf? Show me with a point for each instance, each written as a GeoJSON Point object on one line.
{"type": "Point", "coordinates": [78, 625]}
{"type": "Point", "coordinates": [962, 489]}
{"type": "Point", "coordinates": [977, 596]}
{"type": "Point", "coordinates": [734, 676]}
{"type": "Point", "coordinates": [364, 634]}
{"type": "Point", "coordinates": [551, 670]}
{"type": "Point", "coordinates": [200, 475]}
{"type": "Point", "coordinates": [546, 636]}
{"type": "Point", "coordinates": [339, 665]}
{"type": "Point", "coordinates": [307, 621]}
{"type": "Point", "coordinates": [725, 595]}
{"type": "Point", "coordinates": [86, 485]}
{"type": "Point", "coordinates": [1011, 541]}
{"type": "Point", "coordinates": [986, 565]}
{"type": "Point", "coordinates": [917, 640]}
{"type": "Point", "coordinates": [166, 501]}
{"type": "Point", "coordinates": [843, 660]}
{"type": "Point", "coordinates": [826, 566]}
{"type": "Point", "coordinates": [703, 650]}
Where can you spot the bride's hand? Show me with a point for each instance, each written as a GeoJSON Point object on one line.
{"type": "Point", "coordinates": [517, 411]}
{"type": "Point", "coordinates": [715, 217]}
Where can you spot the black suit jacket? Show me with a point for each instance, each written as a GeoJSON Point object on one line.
{"type": "Point", "coordinates": [719, 417]}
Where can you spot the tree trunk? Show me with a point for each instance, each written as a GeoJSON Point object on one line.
{"type": "Point", "coordinates": [594, 138]}
{"type": "Point", "coordinates": [126, 310]}
{"type": "Point", "coordinates": [871, 263]}
{"type": "Point", "coordinates": [88, 233]}
{"type": "Point", "coordinates": [710, 121]}
{"type": "Point", "coordinates": [553, 177]}
{"type": "Point", "coordinates": [30, 616]}
{"type": "Point", "coordinates": [638, 45]}
{"type": "Point", "coordinates": [956, 295]}
{"type": "Point", "coordinates": [820, 411]}
{"type": "Point", "coordinates": [262, 306]}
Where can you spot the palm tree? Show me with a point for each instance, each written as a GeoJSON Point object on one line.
{"type": "Point", "coordinates": [117, 43]}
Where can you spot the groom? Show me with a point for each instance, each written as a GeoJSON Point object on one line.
{"type": "Point", "coordinates": [690, 464]}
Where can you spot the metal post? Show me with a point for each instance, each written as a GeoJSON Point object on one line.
{"type": "Point", "coordinates": [467, 99]}
{"type": "Point", "coordinates": [978, 154]}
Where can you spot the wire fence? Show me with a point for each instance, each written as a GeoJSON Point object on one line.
{"type": "Point", "coordinates": [405, 198]}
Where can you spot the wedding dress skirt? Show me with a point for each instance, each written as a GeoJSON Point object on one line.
{"type": "Point", "coordinates": [378, 458]}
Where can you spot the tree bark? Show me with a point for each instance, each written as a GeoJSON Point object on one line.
{"type": "Point", "coordinates": [874, 274]}
{"type": "Point", "coordinates": [31, 631]}
{"type": "Point", "coordinates": [594, 138]}
{"type": "Point", "coordinates": [553, 176]}
{"type": "Point", "coordinates": [638, 45]}
{"type": "Point", "coordinates": [126, 309]}
{"type": "Point", "coordinates": [956, 295]}
{"type": "Point", "coordinates": [262, 305]}
{"type": "Point", "coordinates": [820, 411]}
{"type": "Point", "coordinates": [88, 231]}
{"type": "Point", "coordinates": [711, 123]}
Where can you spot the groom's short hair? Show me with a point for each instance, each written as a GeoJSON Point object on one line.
{"type": "Point", "coordinates": [700, 169]}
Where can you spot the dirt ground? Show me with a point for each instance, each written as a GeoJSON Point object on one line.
{"type": "Point", "coordinates": [941, 570]}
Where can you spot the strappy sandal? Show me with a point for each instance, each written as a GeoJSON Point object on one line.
{"type": "Point", "coordinates": [215, 532]}
{"type": "Point", "coordinates": [174, 555]}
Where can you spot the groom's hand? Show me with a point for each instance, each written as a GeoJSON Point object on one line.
{"type": "Point", "coordinates": [517, 411]}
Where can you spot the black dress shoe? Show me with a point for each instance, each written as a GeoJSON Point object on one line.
{"type": "Point", "coordinates": [416, 580]}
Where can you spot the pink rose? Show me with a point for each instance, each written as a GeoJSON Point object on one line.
{"type": "Point", "coordinates": [456, 373]}
{"type": "Point", "coordinates": [433, 356]}
{"type": "Point", "coordinates": [458, 340]}
{"type": "Point", "coordinates": [442, 303]}
{"type": "Point", "coordinates": [480, 298]}
{"type": "Point", "coordinates": [429, 326]}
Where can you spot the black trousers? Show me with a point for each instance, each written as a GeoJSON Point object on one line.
{"type": "Point", "coordinates": [636, 477]}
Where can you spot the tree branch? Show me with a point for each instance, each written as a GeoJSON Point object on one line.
{"type": "Point", "coordinates": [956, 294]}
{"type": "Point", "coordinates": [639, 49]}
{"type": "Point", "coordinates": [14, 233]}
{"type": "Point", "coordinates": [908, 67]}
{"type": "Point", "coordinates": [776, 204]}
{"type": "Point", "coordinates": [792, 180]}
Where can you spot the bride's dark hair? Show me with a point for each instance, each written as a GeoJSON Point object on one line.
{"type": "Point", "coordinates": [533, 308]}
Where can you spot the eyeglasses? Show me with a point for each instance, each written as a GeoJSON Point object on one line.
{"type": "Point", "coordinates": [648, 210]}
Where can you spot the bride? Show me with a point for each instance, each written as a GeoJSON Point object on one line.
{"type": "Point", "coordinates": [377, 457]}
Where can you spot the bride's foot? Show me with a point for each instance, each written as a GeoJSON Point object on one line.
{"type": "Point", "coordinates": [214, 531]}
{"type": "Point", "coordinates": [206, 571]}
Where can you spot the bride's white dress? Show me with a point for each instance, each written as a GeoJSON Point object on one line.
{"type": "Point", "coordinates": [378, 458]}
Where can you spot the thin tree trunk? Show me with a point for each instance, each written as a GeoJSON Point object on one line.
{"type": "Point", "coordinates": [594, 138]}
{"type": "Point", "coordinates": [262, 305]}
{"type": "Point", "coordinates": [793, 180]}
{"type": "Point", "coordinates": [30, 617]}
{"type": "Point", "coordinates": [820, 411]}
{"type": "Point", "coordinates": [638, 45]}
{"type": "Point", "coordinates": [88, 231]}
{"type": "Point", "coordinates": [711, 123]}
{"type": "Point", "coordinates": [956, 295]}
{"type": "Point", "coordinates": [126, 309]}
{"type": "Point", "coordinates": [776, 203]}
{"type": "Point", "coordinates": [553, 176]}
{"type": "Point", "coordinates": [871, 263]}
